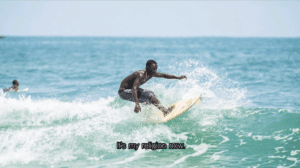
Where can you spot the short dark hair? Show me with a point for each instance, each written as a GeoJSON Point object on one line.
{"type": "Point", "coordinates": [15, 82]}
{"type": "Point", "coordinates": [149, 62]}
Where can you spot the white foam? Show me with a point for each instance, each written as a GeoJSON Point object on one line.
{"type": "Point", "coordinates": [289, 136]}
{"type": "Point", "coordinates": [139, 153]}
{"type": "Point", "coordinates": [219, 92]}
{"type": "Point", "coordinates": [243, 134]}
{"type": "Point", "coordinates": [295, 130]}
{"type": "Point", "coordinates": [259, 137]}
{"type": "Point", "coordinates": [225, 139]}
{"type": "Point", "coordinates": [242, 143]}
{"type": "Point", "coordinates": [280, 138]}
{"type": "Point", "coordinates": [216, 155]}
{"type": "Point", "coordinates": [277, 149]}
{"type": "Point", "coordinates": [280, 157]}
{"type": "Point", "coordinates": [39, 112]}
{"type": "Point", "coordinates": [229, 129]}
{"type": "Point", "coordinates": [295, 152]}
{"type": "Point", "coordinates": [200, 149]}
{"type": "Point", "coordinates": [48, 125]}
{"type": "Point", "coordinates": [293, 159]}
{"type": "Point", "coordinates": [155, 133]}
{"type": "Point", "coordinates": [208, 119]}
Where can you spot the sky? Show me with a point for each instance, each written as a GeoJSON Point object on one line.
{"type": "Point", "coordinates": [151, 18]}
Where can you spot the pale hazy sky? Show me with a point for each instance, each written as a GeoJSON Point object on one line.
{"type": "Point", "coordinates": [150, 18]}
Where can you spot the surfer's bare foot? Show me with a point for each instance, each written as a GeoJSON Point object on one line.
{"type": "Point", "coordinates": [168, 110]}
{"type": "Point", "coordinates": [171, 108]}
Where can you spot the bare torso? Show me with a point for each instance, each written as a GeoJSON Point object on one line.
{"type": "Point", "coordinates": [128, 82]}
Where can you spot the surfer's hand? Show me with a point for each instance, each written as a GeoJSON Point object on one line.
{"type": "Point", "coordinates": [137, 108]}
{"type": "Point", "coordinates": [182, 77]}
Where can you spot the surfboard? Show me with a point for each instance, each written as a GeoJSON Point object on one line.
{"type": "Point", "coordinates": [180, 108]}
{"type": "Point", "coordinates": [24, 90]}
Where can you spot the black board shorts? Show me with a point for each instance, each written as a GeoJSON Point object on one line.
{"type": "Point", "coordinates": [144, 95]}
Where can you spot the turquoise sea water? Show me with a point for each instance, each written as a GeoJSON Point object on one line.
{"type": "Point", "coordinates": [72, 116]}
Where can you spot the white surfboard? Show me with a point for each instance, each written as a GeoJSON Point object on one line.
{"type": "Point", "coordinates": [24, 90]}
{"type": "Point", "coordinates": [179, 108]}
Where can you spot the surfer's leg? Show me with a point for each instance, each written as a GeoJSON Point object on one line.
{"type": "Point", "coordinates": [149, 97]}
{"type": "Point", "coordinates": [143, 96]}
{"type": "Point", "coordinates": [157, 104]}
{"type": "Point", "coordinates": [126, 95]}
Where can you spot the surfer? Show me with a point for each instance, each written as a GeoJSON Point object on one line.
{"type": "Point", "coordinates": [14, 87]}
{"type": "Point", "coordinates": [130, 90]}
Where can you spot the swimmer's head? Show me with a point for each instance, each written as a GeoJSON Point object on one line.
{"type": "Point", "coordinates": [15, 82]}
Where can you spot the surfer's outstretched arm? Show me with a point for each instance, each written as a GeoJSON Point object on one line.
{"type": "Point", "coordinates": [168, 76]}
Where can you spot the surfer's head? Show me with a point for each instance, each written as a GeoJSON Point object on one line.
{"type": "Point", "coordinates": [15, 82]}
{"type": "Point", "coordinates": [151, 67]}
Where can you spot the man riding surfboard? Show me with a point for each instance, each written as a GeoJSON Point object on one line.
{"type": "Point", "coordinates": [130, 90]}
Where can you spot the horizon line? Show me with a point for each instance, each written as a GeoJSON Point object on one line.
{"type": "Point", "coordinates": [3, 36]}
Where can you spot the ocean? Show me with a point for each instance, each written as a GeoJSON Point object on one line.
{"type": "Point", "coordinates": [72, 115]}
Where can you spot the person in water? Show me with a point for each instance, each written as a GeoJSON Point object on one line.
{"type": "Point", "coordinates": [14, 87]}
{"type": "Point", "coordinates": [130, 90]}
